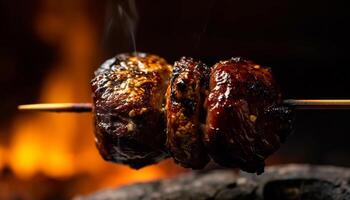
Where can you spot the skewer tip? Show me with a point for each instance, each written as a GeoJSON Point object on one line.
{"type": "Point", "coordinates": [319, 104]}
{"type": "Point", "coordinates": [57, 107]}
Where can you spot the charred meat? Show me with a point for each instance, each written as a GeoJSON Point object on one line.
{"type": "Point", "coordinates": [128, 93]}
{"type": "Point", "coordinates": [146, 111]}
{"type": "Point", "coordinates": [246, 120]}
{"type": "Point", "coordinates": [185, 113]}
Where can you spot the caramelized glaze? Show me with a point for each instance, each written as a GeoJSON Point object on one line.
{"type": "Point", "coordinates": [128, 93]}
{"type": "Point", "coordinates": [246, 120]}
{"type": "Point", "coordinates": [184, 107]}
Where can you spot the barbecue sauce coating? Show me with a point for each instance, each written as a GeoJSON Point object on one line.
{"type": "Point", "coordinates": [128, 93]}
{"type": "Point", "coordinates": [185, 113]}
{"type": "Point", "coordinates": [246, 120]}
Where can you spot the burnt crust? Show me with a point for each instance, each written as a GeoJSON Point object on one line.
{"type": "Point", "coordinates": [185, 113]}
{"type": "Point", "coordinates": [128, 93]}
{"type": "Point", "coordinates": [246, 119]}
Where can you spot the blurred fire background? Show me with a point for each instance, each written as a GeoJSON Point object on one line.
{"type": "Point", "coordinates": [50, 48]}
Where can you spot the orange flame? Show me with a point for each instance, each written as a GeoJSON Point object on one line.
{"type": "Point", "coordinates": [2, 157]}
{"type": "Point", "coordinates": [62, 145]}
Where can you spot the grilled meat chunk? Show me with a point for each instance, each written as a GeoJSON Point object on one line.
{"type": "Point", "coordinates": [246, 120]}
{"type": "Point", "coordinates": [184, 108]}
{"type": "Point", "coordinates": [128, 93]}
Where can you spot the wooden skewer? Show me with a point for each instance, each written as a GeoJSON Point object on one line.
{"type": "Point", "coordinates": [301, 104]}
{"type": "Point", "coordinates": [319, 104]}
{"type": "Point", "coordinates": [57, 107]}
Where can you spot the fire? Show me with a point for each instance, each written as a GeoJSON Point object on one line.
{"type": "Point", "coordinates": [62, 145]}
{"type": "Point", "coordinates": [124, 175]}
{"type": "Point", "coordinates": [37, 146]}
{"type": "Point", "coordinates": [2, 157]}
{"type": "Point", "coordinates": [49, 143]}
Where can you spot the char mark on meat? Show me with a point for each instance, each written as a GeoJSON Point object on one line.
{"type": "Point", "coordinates": [185, 99]}
{"type": "Point", "coordinates": [128, 93]}
{"type": "Point", "coordinates": [246, 119]}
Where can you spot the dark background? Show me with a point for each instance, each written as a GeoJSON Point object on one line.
{"type": "Point", "coordinates": [304, 42]}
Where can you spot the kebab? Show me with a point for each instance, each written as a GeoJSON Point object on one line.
{"type": "Point", "coordinates": [145, 110]}
{"type": "Point", "coordinates": [240, 124]}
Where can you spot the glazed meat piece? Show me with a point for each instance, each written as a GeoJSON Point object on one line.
{"type": "Point", "coordinates": [246, 120]}
{"type": "Point", "coordinates": [128, 93]}
{"type": "Point", "coordinates": [185, 113]}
